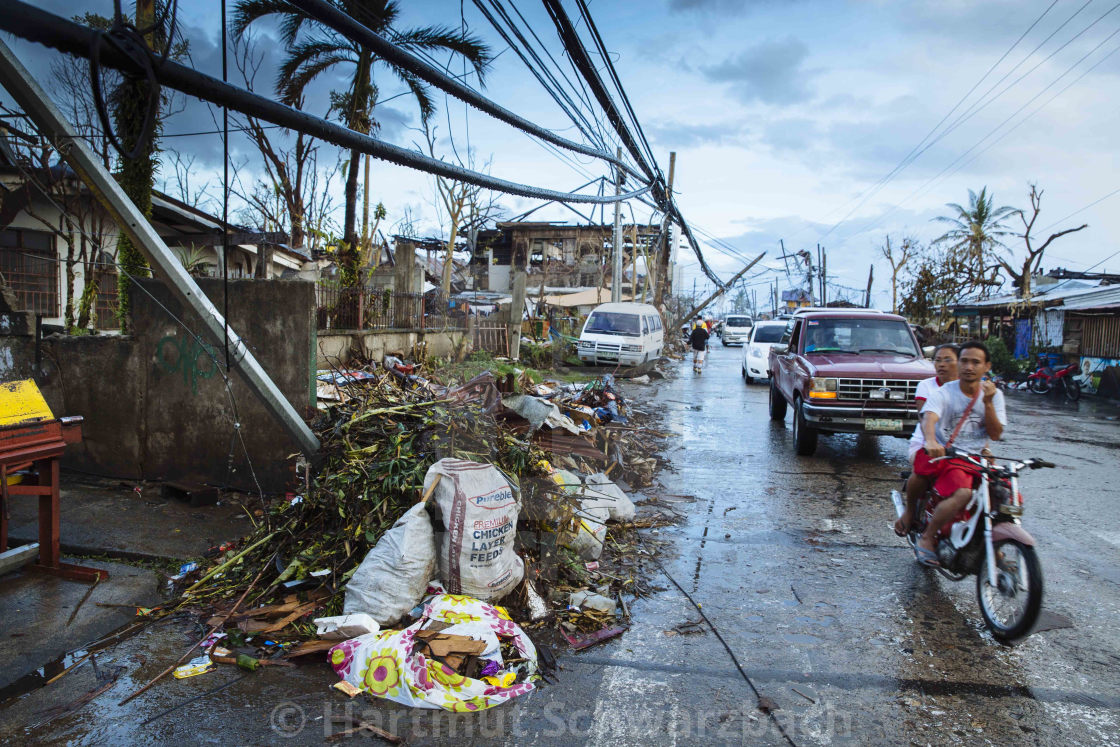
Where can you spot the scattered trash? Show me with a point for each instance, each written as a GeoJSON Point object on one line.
{"type": "Point", "coordinates": [193, 668]}
{"type": "Point", "coordinates": [590, 600]}
{"type": "Point", "coordinates": [346, 688]}
{"type": "Point", "coordinates": [342, 627]}
{"type": "Point", "coordinates": [580, 641]}
{"type": "Point", "coordinates": [689, 627]}
{"type": "Point", "coordinates": [538, 608]}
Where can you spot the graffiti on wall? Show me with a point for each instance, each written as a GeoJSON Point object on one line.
{"type": "Point", "coordinates": [187, 356]}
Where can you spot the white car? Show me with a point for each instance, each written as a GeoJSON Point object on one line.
{"type": "Point", "coordinates": [756, 351]}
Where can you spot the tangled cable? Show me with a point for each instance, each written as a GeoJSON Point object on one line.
{"type": "Point", "coordinates": [129, 40]}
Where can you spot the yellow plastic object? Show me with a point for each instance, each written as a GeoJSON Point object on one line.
{"type": "Point", "coordinates": [22, 402]}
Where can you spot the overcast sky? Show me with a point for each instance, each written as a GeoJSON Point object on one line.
{"type": "Point", "coordinates": [785, 116]}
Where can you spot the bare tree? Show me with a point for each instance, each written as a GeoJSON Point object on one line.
{"type": "Point", "coordinates": [897, 257]}
{"type": "Point", "coordinates": [1021, 278]}
{"type": "Point", "coordinates": [184, 186]}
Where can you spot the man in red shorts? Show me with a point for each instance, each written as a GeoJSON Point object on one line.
{"type": "Point", "coordinates": [966, 414]}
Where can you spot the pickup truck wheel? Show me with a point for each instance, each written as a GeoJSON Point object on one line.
{"type": "Point", "coordinates": [804, 437]}
{"type": "Point", "coordinates": [777, 403]}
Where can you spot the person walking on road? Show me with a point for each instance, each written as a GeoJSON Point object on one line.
{"type": "Point", "coordinates": [699, 341]}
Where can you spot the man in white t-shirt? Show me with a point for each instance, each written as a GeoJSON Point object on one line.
{"type": "Point", "coordinates": [945, 366]}
{"type": "Point", "coordinates": [966, 414]}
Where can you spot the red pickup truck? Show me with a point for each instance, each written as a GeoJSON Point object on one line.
{"type": "Point", "coordinates": [846, 371]}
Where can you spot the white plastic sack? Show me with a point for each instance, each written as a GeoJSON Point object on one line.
{"type": "Point", "coordinates": [600, 491]}
{"type": "Point", "coordinates": [479, 509]}
{"type": "Point", "coordinates": [588, 532]}
{"type": "Point", "coordinates": [394, 575]}
{"type": "Point", "coordinates": [342, 627]}
{"type": "Point", "coordinates": [390, 665]}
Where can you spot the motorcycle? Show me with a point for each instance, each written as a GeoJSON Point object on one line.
{"type": "Point", "coordinates": [987, 540]}
{"type": "Point", "coordinates": [1047, 379]}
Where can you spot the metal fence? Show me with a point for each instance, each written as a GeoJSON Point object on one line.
{"type": "Point", "coordinates": [374, 309]}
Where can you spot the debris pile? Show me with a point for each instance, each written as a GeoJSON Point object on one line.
{"type": "Point", "coordinates": [430, 502]}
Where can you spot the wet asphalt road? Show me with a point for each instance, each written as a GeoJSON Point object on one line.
{"type": "Point", "coordinates": [793, 561]}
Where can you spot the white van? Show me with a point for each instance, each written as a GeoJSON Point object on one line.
{"type": "Point", "coordinates": [621, 333]}
{"type": "Point", "coordinates": [736, 329]}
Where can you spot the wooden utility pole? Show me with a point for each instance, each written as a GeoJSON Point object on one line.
{"type": "Point", "coordinates": [870, 277]}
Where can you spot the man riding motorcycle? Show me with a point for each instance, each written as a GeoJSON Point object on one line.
{"type": "Point", "coordinates": [945, 368]}
{"type": "Point", "coordinates": [965, 413]}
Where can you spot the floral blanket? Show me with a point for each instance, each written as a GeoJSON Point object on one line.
{"type": "Point", "coordinates": [385, 665]}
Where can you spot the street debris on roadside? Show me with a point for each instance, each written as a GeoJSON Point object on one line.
{"type": "Point", "coordinates": [432, 502]}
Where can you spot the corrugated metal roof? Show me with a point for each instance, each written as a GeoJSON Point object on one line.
{"type": "Point", "coordinates": [1108, 295]}
{"type": "Point", "coordinates": [1059, 295]}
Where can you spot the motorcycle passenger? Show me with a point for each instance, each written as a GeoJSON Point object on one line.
{"type": "Point", "coordinates": [965, 413]}
{"type": "Point", "coordinates": [699, 342]}
{"type": "Point", "coordinates": [945, 368]}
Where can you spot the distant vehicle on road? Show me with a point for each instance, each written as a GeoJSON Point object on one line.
{"type": "Point", "coordinates": [756, 350]}
{"type": "Point", "coordinates": [621, 334]}
{"type": "Point", "coordinates": [846, 371]}
{"type": "Point", "coordinates": [736, 329]}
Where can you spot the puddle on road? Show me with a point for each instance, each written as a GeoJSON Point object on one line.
{"type": "Point", "coordinates": [45, 674]}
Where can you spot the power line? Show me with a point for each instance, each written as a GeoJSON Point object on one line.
{"type": "Point", "coordinates": [349, 27]}
{"type": "Point", "coordinates": [915, 152]}
{"type": "Point", "coordinates": [40, 26]}
{"type": "Point", "coordinates": [946, 171]}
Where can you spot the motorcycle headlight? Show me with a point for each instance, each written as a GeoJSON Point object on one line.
{"type": "Point", "coordinates": [822, 388]}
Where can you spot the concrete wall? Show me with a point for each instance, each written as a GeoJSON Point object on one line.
{"type": "Point", "coordinates": [338, 348]}
{"type": "Point", "coordinates": [156, 403]}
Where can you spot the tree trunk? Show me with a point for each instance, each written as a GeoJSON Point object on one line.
{"type": "Point", "coordinates": [68, 319]}
{"type": "Point", "coordinates": [449, 262]}
{"type": "Point", "coordinates": [348, 256]}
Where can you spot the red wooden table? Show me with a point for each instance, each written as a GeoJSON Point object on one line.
{"type": "Point", "coordinates": [37, 446]}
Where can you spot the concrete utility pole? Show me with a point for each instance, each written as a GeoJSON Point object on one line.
{"type": "Point", "coordinates": [664, 287]}
{"type": "Point", "coordinates": [38, 106]}
{"type": "Point", "coordinates": [718, 292]}
{"type": "Point", "coordinates": [616, 268]}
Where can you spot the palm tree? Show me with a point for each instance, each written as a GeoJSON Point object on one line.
{"type": "Point", "coordinates": [314, 49]}
{"type": "Point", "coordinates": [974, 236]}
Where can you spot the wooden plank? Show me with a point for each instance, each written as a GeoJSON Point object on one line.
{"type": "Point", "coordinates": [18, 557]}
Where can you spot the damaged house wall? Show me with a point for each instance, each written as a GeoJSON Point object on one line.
{"type": "Point", "coordinates": [155, 402]}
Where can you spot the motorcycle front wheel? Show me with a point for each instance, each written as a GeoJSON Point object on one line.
{"type": "Point", "coordinates": [1011, 607]}
{"type": "Point", "coordinates": [1073, 390]}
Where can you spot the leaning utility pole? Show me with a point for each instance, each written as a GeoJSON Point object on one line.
{"type": "Point", "coordinates": [15, 78]}
{"type": "Point", "coordinates": [616, 268]}
{"type": "Point", "coordinates": [718, 292]}
{"type": "Point", "coordinates": [870, 277]}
